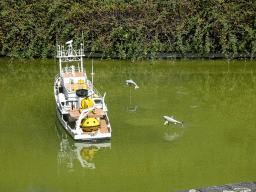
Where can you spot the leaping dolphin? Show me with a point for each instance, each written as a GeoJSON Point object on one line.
{"type": "Point", "coordinates": [131, 82]}
{"type": "Point", "coordinates": [171, 120]}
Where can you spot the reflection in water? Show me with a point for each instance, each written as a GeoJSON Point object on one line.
{"type": "Point", "coordinates": [173, 132]}
{"type": "Point", "coordinates": [170, 137]}
{"type": "Point", "coordinates": [131, 109]}
{"type": "Point", "coordinates": [71, 151]}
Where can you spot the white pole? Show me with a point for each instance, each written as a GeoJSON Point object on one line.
{"type": "Point", "coordinates": [70, 82]}
{"type": "Point", "coordinates": [92, 75]}
{"type": "Point", "coordinates": [82, 64]}
{"type": "Point", "coordinates": [60, 65]}
{"type": "Point", "coordinates": [82, 51]}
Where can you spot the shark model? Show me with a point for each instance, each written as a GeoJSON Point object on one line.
{"type": "Point", "coordinates": [171, 120]}
{"type": "Point", "coordinates": [131, 82]}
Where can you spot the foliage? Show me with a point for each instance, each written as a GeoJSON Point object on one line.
{"type": "Point", "coordinates": [128, 29]}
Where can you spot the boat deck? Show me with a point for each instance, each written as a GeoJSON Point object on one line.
{"type": "Point", "coordinates": [75, 86]}
{"type": "Point", "coordinates": [80, 81]}
{"type": "Point", "coordinates": [75, 113]}
{"type": "Point", "coordinates": [76, 74]}
{"type": "Point", "coordinates": [103, 127]}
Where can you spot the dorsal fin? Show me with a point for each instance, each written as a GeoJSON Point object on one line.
{"type": "Point", "coordinates": [172, 117]}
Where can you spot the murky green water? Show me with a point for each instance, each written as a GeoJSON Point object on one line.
{"type": "Point", "coordinates": [216, 146]}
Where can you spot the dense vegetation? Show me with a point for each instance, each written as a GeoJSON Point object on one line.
{"type": "Point", "coordinates": [128, 28]}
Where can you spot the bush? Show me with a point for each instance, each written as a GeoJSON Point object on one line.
{"type": "Point", "coordinates": [128, 29]}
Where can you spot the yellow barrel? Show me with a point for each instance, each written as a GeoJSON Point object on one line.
{"type": "Point", "coordinates": [90, 124]}
{"type": "Point", "coordinates": [87, 103]}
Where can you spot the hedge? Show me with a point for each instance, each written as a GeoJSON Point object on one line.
{"type": "Point", "coordinates": [128, 29]}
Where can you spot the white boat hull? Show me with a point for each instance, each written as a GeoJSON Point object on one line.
{"type": "Point", "coordinates": [88, 137]}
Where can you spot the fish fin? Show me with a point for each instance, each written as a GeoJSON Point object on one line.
{"type": "Point", "coordinates": [136, 87]}
{"type": "Point", "coordinates": [182, 123]}
{"type": "Point", "coordinates": [165, 122]}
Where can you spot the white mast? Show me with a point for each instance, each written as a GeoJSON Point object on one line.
{"type": "Point", "coordinates": [82, 64]}
{"type": "Point", "coordinates": [92, 74]}
{"type": "Point", "coordinates": [60, 65]}
{"type": "Point", "coordinates": [82, 52]}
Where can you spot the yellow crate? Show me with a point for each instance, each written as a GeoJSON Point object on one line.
{"type": "Point", "coordinates": [81, 81]}
{"type": "Point", "coordinates": [84, 87]}
{"type": "Point", "coordinates": [75, 88]}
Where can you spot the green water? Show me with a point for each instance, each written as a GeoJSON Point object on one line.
{"type": "Point", "coordinates": [216, 146]}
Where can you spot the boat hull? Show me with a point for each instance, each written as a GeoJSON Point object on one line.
{"type": "Point", "coordinates": [82, 137]}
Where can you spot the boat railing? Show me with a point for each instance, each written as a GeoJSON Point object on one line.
{"type": "Point", "coordinates": [95, 91]}
{"type": "Point", "coordinates": [75, 69]}
{"type": "Point", "coordinates": [56, 77]}
{"type": "Point", "coordinates": [63, 122]}
{"type": "Point", "coordinates": [70, 52]}
{"type": "Point", "coordinates": [107, 121]}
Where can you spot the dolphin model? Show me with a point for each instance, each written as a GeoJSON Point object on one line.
{"type": "Point", "coordinates": [171, 120]}
{"type": "Point", "coordinates": [131, 82]}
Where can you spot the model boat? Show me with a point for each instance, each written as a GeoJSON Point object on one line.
{"type": "Point", "coordinates": [80, 107]}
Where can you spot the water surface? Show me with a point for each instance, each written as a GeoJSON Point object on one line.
{"type": "Point", "coordinates": [216, 146]}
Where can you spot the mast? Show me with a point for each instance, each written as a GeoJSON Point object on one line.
{"type": "Point", "coordinates": [82, 67]}
{"type": "Point", "coordinates": [82, 51]}
{"type": "Point", "coordinates": [92, 74]}
{"type": "Point", "coordinates": [60, 65]}
{"type": "Point", "coordinates": [70, 55]}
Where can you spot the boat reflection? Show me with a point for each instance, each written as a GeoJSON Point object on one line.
{"type": "Point", "coordinates": [72, 151]}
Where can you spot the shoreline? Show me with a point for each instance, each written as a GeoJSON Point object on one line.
{"type": "Point", "coordinates": [234, 187]}
{"type": "Point", "coordinates": [166, 55]}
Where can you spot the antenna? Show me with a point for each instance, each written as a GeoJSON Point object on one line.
{"type": "Point", "coordinates": [92, 74]}
{"type": "Point", "coordinates": [82, 53]}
